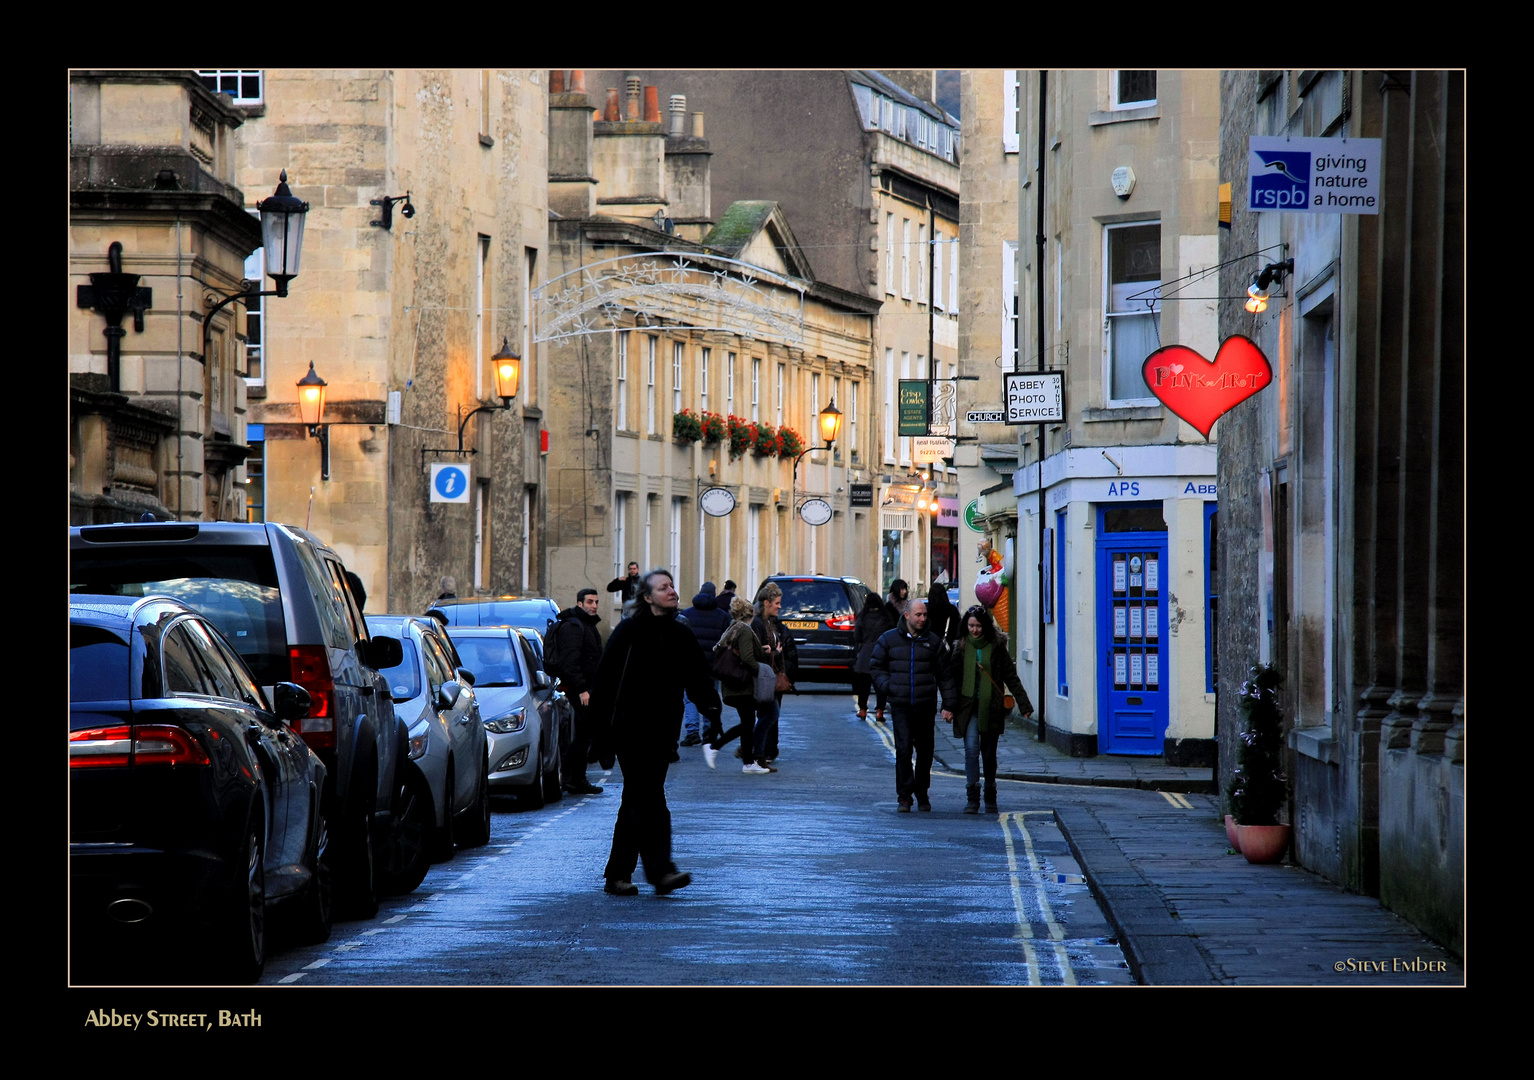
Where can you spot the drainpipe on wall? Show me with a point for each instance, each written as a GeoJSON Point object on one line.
{"type": "Point", "coordinates": [1039, 239]}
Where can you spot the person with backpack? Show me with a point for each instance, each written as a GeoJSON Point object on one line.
{"type": "Point", "coordinates": [708, 621]}
{"type": "Point", "coordinates": [571, 654]}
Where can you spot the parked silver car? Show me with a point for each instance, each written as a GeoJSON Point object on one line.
{"type": "Point", "coordinates": [528, 722]}
{"type": "Point", "coordinates": [445, 785]}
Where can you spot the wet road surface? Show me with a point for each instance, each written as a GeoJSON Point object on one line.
{"type": "Point", "coordinates": [804, 877]}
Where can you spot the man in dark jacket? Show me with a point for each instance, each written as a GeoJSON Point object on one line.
{"type": "Point", "coordinates": [649, 661]}
{"type": "Point", "coordinates": [911, 668]}
{"type": "Point", "coordinates": [580, 651]}
{"type": "Point", "coordinates": [628, 586]}
{"type": "Point", "coordinates": [707, 621]}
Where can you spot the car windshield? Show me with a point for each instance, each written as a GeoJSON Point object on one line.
{"type": "Point", "coordinates": [813, 599]}
{"type": "Point", "coordinates": [98, 664]}
{"type": "Point", "coordinates": [490, 658]}
{"type": "Point", "coordinates": [405, 677]}
{"type": "Point", "coordinates": [235, 587]}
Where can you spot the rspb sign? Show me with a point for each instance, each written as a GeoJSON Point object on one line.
{"type": "Point", "coordinates": [449, 483]}
{"type": "Point", "coordinates": [1314, 176]}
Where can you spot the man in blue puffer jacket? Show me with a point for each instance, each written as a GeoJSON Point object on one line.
{"type": "Point", "coordinates": [910, 668]}
{"type": "Point", "coordinates": [708, 622]}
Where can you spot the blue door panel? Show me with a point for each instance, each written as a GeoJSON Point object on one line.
{"type": "Point", "coordinates": [1131, 642]}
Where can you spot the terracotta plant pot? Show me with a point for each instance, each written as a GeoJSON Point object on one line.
{"type": "Point", "coordinates": [1263, 843]}
{"type": "Point", "coordinates": [1230, 832]}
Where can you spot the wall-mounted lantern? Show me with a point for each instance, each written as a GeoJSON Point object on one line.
{"type": "Point", "coordinates": [311, 413]}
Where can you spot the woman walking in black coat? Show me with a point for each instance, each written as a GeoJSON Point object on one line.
{"type": "Point", "coordinates": [872, 621]}
{"type": "Point", "coordinates": [985, 674]}
{"type": "Point", "coordinates": [943, 619]}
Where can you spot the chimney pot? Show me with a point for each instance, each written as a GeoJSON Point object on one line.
{"type": "Point", "coordinates": [697, 125]}
{"type": "Point", "coordinates": [578, 81]}
{"type": "Point", "coordinates": [556, 82]}
{"type": "Point", "coordinates": [633, 85]}
{"type": "Point", "coordinates": [612, 105]}
{"type": "Point", "coordinates": [678, 114]}
{"type": "Point", "coordinates": [652, 105]}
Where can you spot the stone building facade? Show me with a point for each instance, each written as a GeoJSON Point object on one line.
{"type": "Point", "coordinates": [646, 325]}
{"type": "Point", "coordinates": [402, 321]}
{"type": "Point", "coordinates": [1342, 485]}
{"type": "Point", "coordinates": [867, 169]}
{"type": "Point", "coordinates": [158, 233]}
{"type": "Point", "coordinates": [1128, 164]}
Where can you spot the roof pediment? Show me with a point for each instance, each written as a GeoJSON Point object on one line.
{"type": "Point", "coordinates": [756, 231]}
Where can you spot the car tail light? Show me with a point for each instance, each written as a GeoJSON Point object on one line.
{"type": "Point", "coordinates": [145, 744]}
{"type": "Point", "coordinates": [841, 622]}
{"type": "Point", "coordinates": [311, 670]}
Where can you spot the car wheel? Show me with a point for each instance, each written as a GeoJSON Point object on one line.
{"type": "Point", "coordinates": [442, 839]}
{"type": "Point", "coordinates": [476, 826]}
{"type": "Point", "coordinates": [312, 918]}
{"type": "Point", "coordinates": [360, 877]}
{"type": "Point", "coordinates": [406, 850]}
{"type": "Point", "coordinates": [245, 957]}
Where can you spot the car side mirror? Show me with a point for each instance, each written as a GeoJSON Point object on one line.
{"type": "Point", "coordinates": [290, 702]}
{"type": "Point", "coordinates": [447, 694]}
{"type": "Point", "coordinates": [465, 676]}
{"type": "Point", "coordinates": [541, 680]}
{"type": "Point", "coordinates": [381, 653]}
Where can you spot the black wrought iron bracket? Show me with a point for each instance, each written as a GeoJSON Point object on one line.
{"type": "Point", "coordinates": [461, 424]}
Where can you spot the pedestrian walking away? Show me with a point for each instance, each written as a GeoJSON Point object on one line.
{"type": "Point", "coordinates": [986, 672]}
{"type": "Point", "coordinates": [650, 660]}
{"type": "Point", "coordinates": [727, 595]}
{"type": "Point", "coordinates": [943, 619]}
{"type": "Point", "coordinates": [707, 621]}
{"type": "Point", "coordinates": [740, 691]}
{"type": "Point", "coordinates": [871, 624]}
{"type": "Point", "coordinates": [628, 586]}
{"type": "Point", "coordinates": [576, 644]}
{"type": "Point", "coordinates": [896, 599]}
{"type": "Point", "coordinates": [911, 667]}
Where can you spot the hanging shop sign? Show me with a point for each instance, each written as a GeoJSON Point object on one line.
{"type": "Point", "coordinates": [1314, 176]}
{"type": "Point", "coordinates": [1035, 397]}
{"type": "Point", "coordinates": [717, 502]}
{"type": "Point", "coordinates": [911, 408]}
{"type": "Point", "coordinates": [815, 511]}
{"type": "Point", "coordinates": [1201, 391]}
{"type": "Point", "coordinates": [948, 512]}
{"type": "Point", "coordinates": [985, 417]}
{"type": "Point", "coordinates": [972, 518]}
{"type": "Point", "coordinates": [930, 449]}
{"type": "Point", "coordinates": [449, 482]}
{"type": "Point", "coordinates": [861, 495]}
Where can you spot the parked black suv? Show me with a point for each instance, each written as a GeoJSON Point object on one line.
{"type": "Point", "coordinates": [820, 613]}
{"type": "Point", "coordinates": [280, 596]}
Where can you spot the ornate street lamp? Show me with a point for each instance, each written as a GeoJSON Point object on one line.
{"type": "Point", "coordinates": [311, 412]}
{"type": "Point", "coordinates": [282, 233]}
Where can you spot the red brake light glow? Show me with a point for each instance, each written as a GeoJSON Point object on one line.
{"type": "Point", "coordinates": [311, 670]}
{"type": "Point", "coordinates": [841, 622]}
{"type": "Point", "coordinates": [143, 744]}
{"type": "Point", "coordinates": [97, 747]}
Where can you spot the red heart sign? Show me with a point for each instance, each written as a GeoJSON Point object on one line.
{"type": "Point", "coordinates": [1199, 391]}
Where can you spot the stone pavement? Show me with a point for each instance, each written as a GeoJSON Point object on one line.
{"type": "Point", "coordinates": [1187, 909]}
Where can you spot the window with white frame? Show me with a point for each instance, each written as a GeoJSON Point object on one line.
{"type": "Point", "coordinates": [623, 379]}
{"type": "Point", "coordinates": [1010, 111]}
{"type": "Point", "coordinates": [649, 531]}
{"type": "Point", "coordinates": [938, 245]}
{"type": "Point", "coordinates": [852, 421]}
{"type": "Point", "coordinates": [529, 369]}
{"type": "Point", "coordinates": [650, 387]}
{"type": "Point", "coordinates": [703, 382]}
{"type": "Point", "coordinates": [905, 258]}
{"type": "Point", "coordinates": [1131, 277]}
{"type": "Point", "coordinates": [756, 388]}
{"type": "Point", "coordinates": [778, 396]}
{"type": "Point", "coordinates": [1132, 89]}
{"type": "Point", "coordinates": [729, 384]}
{"type": "Point", "coordinates": [814, 403]}
{"type": "Point", "coordinates": [1009, 357]}
{"type": "Point", "coordinates": [921, 263]}
{"type": "Point", "coordinates": [481, 303]}
{"type": "Point", "coordinates": [889, 405]}
{"type": "Point", "coordinates": [676, 376]}
{"type": "Point", "coordinates": [255, 368]}
{"type": "Point", "coordinates": [953, 277]}
{"type": "Point", "coordinates": [242, 84]}
{"type": "Point", "coordinates": [889, 253]}
{"type": "Point", "coordinates": [621, 503]}
{"type": "Point", "coordinates": [905, 440]}
{"type": "Point", "coordinates": [675, 561]}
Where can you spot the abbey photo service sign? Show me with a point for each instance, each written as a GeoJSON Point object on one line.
{"type": "Point", "coordinates": [1034, 398]}
{"type": "Point", "coordinates": [1314, 176]}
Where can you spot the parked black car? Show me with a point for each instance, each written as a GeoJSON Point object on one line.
{"type": "Point", "coordinates": [280, 596]}
{"type": "Point", "coordinates": [192, 802]}
{"type": "Point", "coordinates": [819, 612]}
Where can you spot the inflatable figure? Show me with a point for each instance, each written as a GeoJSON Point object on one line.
{"type": "Point", "coordinates": [991, 584]}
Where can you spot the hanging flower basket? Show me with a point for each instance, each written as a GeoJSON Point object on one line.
{"type": "Point", "coordinates": [764, 439]}
{"type": "Point", "coordinates": [790, 442]}
{"type": "Point", "coordinates": [739, 431]}
{"type": "Point", "coordinates": [715, 428]}
{"type": "Point", "coordinates": [685, 427]}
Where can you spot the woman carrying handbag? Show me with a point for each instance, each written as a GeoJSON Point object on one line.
{"type": "Point", "coordinates": [986, 672]}
{"type": "Point", "coordinates": [738, 687]}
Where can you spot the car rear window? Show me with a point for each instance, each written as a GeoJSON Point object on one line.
{"type": "Point", "coordinates": [532, 614]}
{"type": "Point", "coordinates": [98, 664]}
{"type": "Point", "coordinates": [490, 658]}
{"type": "Point", "coordinates": [813, 599]}
{"type": "Point", "coordinates": [234, 587]}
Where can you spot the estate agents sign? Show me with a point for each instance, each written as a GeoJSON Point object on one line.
{"type": "Point", "coordinates": [1314, 176]}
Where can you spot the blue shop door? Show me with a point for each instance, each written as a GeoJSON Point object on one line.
{"type": "Point", "coordinates": [1131, 635]}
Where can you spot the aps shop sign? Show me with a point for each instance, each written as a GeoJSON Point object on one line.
{"type": "Point", "coordinates": [1313, 176]}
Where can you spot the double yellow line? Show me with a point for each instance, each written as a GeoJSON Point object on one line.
{"type": "Point", "coordinates": [1014, 819]}
{"type": "Point", "coordinates": [1177, 800]}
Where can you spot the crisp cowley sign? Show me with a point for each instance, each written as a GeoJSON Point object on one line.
{"type": "Point", "coordinates": [1313, 176]}
{"type": "Point", "coordinates": [449, 482]}
{"type": "Point", "coordinates": [1035, 397]}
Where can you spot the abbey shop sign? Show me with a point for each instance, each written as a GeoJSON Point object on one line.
{"type": "Point", "coordinates": [1314, 176]}
{"type": "Point", "coordinates": [1034, 397]}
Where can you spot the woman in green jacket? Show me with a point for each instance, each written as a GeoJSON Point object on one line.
{"type": "Point", "coordinates": [739, 694]}
{"type": "Point", "coordinates": [986, 672]}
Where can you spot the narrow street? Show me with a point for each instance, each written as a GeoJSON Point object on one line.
{"type": "Point", "coordinates": [805, 877]}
